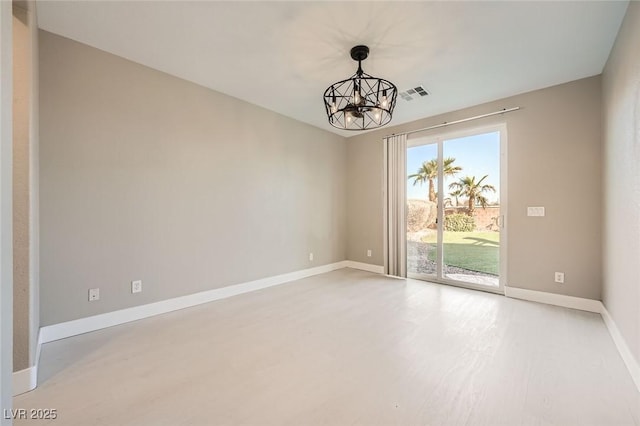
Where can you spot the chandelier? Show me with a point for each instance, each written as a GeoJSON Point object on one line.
{"type": "Point", "coordinates": [360, 102]}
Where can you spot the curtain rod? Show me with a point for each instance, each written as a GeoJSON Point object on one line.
{"type": "Point", "coordinates": [445, 124]}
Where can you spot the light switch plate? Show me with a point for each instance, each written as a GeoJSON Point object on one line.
{"type": "Point", "coordinates": [535, 211]}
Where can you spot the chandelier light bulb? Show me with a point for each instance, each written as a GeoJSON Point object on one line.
{"type": "Point", "coordinates": [385, 101]}
{"type": "Point", "coordinates": [356, 94]}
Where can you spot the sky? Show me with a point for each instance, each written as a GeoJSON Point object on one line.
{"type": "Point", "coordinates": [478, 155]}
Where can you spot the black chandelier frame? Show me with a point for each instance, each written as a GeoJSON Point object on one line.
{"type": "Point", "coordinates": [360, 102]}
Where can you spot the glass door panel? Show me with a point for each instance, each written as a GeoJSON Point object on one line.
{"type": "Point", "coordinates": [422, 209]}
{"type": "Point", "coordinates": [471, 202]}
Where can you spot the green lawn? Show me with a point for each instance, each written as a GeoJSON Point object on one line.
{"type": "Point", "coordinates": [476, 251]}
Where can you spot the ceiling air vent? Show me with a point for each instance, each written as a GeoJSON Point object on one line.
{"type": "Point", "coordinates": [415, 93]}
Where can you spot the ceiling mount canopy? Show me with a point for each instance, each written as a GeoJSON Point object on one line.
{"type": "Point", "coordinates": [361, 102]}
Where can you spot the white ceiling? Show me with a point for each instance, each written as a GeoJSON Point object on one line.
{"type": "Point", "coordinates": [283, 55]}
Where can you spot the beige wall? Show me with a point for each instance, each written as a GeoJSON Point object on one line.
{"type": "Point", "coordinates": [146, 176]}
{"type": "Point", "coordinates": [554, 160]}
{"type": "Point", "coordinates": [21, 94]}
{"type": "Point", "coordinates": [34, 188]}
{"type": "Point", "coordinates": [621, 94]}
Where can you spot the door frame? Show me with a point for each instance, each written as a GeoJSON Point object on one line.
{"type": "Point", "coordinates": [439, 138]}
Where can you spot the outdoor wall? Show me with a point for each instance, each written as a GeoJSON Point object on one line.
{"type": "Point", "coordinates": [554, 160]}
{"type": "Point", "coordinates": [21, 91]}
{"type": "Point", "coordinates": [146, 176]}
{"type": "Point", "coordinates": [621, 95]}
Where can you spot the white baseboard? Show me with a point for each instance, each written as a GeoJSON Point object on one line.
{"type": "Point", "coordinates": [110, 319]}
{"type": "Point", "coordinates": [589, 305]}
{"type": "Point", "coordinates": [365, 266]}
{"type": "Point", "coordinates": [25, 380]}
{"type": "Point", "coordinates": [579, 303]}
{"type": "Point", "coordinates": [621, 344]}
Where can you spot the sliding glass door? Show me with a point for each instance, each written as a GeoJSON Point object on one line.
{"type": "Point", "coordinates": [455, 208]}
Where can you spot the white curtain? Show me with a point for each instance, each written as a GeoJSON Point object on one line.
{"type": "Point", "coordinates": [395, 188]}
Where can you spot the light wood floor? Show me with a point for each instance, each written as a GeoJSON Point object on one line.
{"type": "Point", "coordinates": [347, 347]}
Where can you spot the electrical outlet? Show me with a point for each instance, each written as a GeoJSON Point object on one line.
{"type": "Point", "coordinates": [310, 257]}
{"type": "Point", "coordinates": [559, 277]}
{"type": "Point", "coordinates": [94, 294]}
{"type": "Point", "coordinates": [136, 286]}
{"type": "Point", "coordinates": [368, 253]}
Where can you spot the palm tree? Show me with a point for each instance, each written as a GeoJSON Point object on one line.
{"type": "Point", "coordinates": [428, 172]}
{"type": "Point", "coordinates": [468, 187]}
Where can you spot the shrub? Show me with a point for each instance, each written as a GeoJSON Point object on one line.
{"type": "Point", "coordinates": [458, 222]}
{"type": "Point", "coordinates": [420, 214]}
